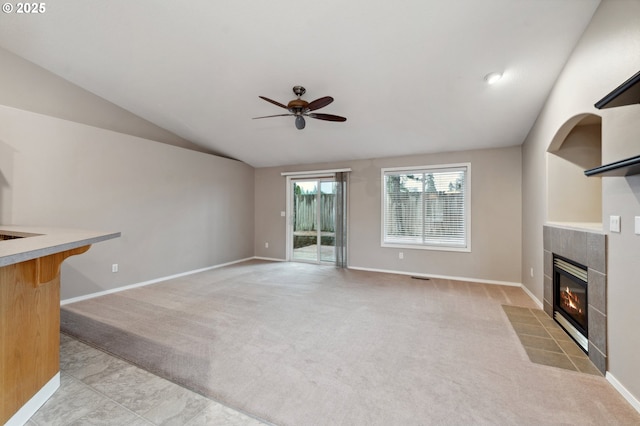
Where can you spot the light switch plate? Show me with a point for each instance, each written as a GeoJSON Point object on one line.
{"type": "Point", "coordinates": [614, 223]}
{"type": "Point", "coordinates": [637, 223]}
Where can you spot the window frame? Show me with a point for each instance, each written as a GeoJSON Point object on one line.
{"type": "Point", "coordinates": [429, 169]}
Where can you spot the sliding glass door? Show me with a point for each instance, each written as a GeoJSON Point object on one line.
{"type": "Point", "coordinates": [313, 220]}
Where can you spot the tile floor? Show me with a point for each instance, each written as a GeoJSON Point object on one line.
{"type": "Point", "coordinates": [545, 342]}
{"type": "Point", "coordinates": [98, 389]}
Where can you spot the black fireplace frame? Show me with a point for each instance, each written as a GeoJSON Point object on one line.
{"type": "Point", "coordinates": [557, 307]}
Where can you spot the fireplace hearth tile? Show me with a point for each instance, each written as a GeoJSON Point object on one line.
{"type": "Point", "coordinates": [530, 330]}
{"type": "Point", "coordinates": [584, 365]}
{"type": "Point", "coordinates": [560, 334]}
{"type": "Point", "coordinates": [571, 349]}
{"type": "Point", "coordinates": [518, 310]}
{"type": "Point", "coordinates": [523, 319]}
{"type": "Point", "coordinates": [552, 359]}
{"type": "Point", "coordinates": [538, 313]}
{"type": "Point", "coordinates": [545, 342]}
{"type": "Point", "coordinates": [545, 319]}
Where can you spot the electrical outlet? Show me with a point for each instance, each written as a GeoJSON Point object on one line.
{"type": "Point", "coordinates": [637, 225]}
{"type": "Point", "coordinates": [114, 267]}
{"type": "Point", "coordinates": [614, 223]}
{"type": "Point", "coordinates": [531, 272]}
{"type": "Point", "coordinates": [266, 245]}
{"type": "Point", "coordinates": [401, 255]}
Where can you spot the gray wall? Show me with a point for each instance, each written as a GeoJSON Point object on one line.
{"type": "Point", "coordinates": [495, 222]}
{"type": "Point", "coordinates": [29, 87]}
{"type": "Point", "coordinates": [571, 196]}
{"type": "Point", "coordinates": [178, 209]}
{"type": "Point", "coordinates": [606, 56]}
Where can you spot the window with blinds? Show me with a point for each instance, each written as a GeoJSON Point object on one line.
{"type": "Point", "coordinates": [426, 207]}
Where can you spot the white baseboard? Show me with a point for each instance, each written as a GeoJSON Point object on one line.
{"type": "Point", "coordinates": [443, 277]}
{"type": "Point", "coordinates": [23, 415]}
{"type": "Point", "coordinates": [533, 297]}
{"type": "Point", "coordinates": [631, 399]}
{"type": "Point", "coordinates": [270, 259]}
{"type": "Point", "coordinates": [142, 284]}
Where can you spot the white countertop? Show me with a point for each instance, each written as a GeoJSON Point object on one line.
{"type": "Point", "coordinates": [46, 241]}
{"type": "Point", "coordinates": [594, 227]}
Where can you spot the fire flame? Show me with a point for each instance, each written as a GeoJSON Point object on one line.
{"type": "Point", "coordinates": [571, 301]}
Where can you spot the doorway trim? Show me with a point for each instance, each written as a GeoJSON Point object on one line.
{"type": "Point", "coordinates": [290, 176]}
{"type": "Point", "coordinates": [314, 173]}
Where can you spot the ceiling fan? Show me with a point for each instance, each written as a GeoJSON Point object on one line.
{"type": "Point", "coordinates": [301, 108]}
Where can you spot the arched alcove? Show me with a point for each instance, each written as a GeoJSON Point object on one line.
{"type": "Point", "coordinates": [572, 197]}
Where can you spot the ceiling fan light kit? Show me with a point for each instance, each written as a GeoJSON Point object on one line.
{"type": "Point", "coordinates": [493, 78]}
{"type": "Point", "coordinates": [300, 108]}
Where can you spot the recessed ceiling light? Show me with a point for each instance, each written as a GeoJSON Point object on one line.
{"type": "Point", "coordinates": [493, 77]}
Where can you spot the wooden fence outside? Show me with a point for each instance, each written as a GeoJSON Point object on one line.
{"type": "Point", "coordinates": [305, 208]}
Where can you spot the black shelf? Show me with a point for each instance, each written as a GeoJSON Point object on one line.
{"type": "Point", "coordinates": [628, 167]}
{"type": "Point", "coordinates": [628, 93]}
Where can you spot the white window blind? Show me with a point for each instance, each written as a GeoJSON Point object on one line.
{"type": "Point", "coordinates": [426, 207]}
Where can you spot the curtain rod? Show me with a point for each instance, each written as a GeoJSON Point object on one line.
{"type": "Point", "coordinates": [314, 172]}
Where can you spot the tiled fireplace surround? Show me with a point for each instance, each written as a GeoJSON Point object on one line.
{"type": "Point", "coordinates": [588, 248]}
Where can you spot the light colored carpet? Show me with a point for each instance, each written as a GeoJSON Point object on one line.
{"type": "Point", "coordinates": [299, 344]}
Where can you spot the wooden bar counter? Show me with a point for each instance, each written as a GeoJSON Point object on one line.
{"type": "Point", "coordinates": [30, 260]}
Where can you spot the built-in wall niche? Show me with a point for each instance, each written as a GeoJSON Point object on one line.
{"type": "Point", "coordinates": [573, 198]}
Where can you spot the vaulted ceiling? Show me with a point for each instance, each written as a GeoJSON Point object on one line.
{"type": "Point", "coordinates": [408, 75]}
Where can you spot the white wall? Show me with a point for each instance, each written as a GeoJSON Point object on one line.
{"type": "Point", "coordinates": [606, 55]}
{"type": "Point", "coordinates": [495, 222]}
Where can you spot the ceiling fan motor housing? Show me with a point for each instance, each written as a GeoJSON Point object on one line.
{"type": "Point", "coordinates": [298, 106]}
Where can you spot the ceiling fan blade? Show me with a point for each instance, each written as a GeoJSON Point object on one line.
{"type": "Point", "coordinates": [328, 117]}
{"type": "Point", "coordinates": [319, 103]}
{"type": "Point", "coordinates": [273, 102]}
{"type": "Point", "coordinates": [269, 116]}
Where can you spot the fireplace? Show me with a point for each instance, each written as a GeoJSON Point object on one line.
{"type": "Point", "coordinates": [570, 299]}
{"type": "Point", "coordinates": [586, 248]}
